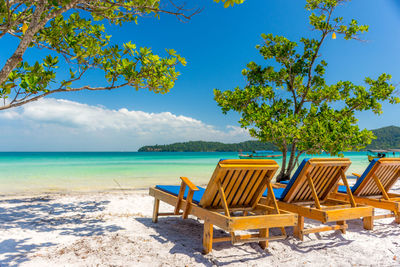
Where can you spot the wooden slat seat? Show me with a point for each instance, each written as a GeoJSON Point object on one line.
{"type": "Point", "coordinates": [372, 187]}
{"type": "Point", "coordinates": [308, 194]}
{"type": "Point", "coordinates": [230, 201]}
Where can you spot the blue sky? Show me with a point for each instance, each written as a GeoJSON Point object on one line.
{"type": "Point", "coordinates": [217, 44]}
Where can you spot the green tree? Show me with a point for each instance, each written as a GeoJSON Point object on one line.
{"type": "Point", "coordinates": [73, 31]}
{"type": "Point", "coordinates": [293, 107]}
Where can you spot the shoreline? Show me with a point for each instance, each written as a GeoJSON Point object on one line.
{"type": "Point", "coordinates": [123, 191]}
{"type": "Point", "coordinates": [70, 192]}
{"type": "Point", "coordinates": [39, 192]}
{"type": "Point", "coordinates": [59, 174]}
{"type": "Point", "coordinates": [34, 193]}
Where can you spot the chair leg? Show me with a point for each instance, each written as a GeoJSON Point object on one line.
{"type": "Point", "coordinates": [397, 218]}
{"type": "Point", "coordinates": [264, 233]}
{"type": "Point", "coordinates": [298, 229]}
{"type": "Point", "coordinates": [207, 237]}
{"type": "Point", "coordinates": [283, 230]}
{"type": "Point", "coordinates": [343, 223]}
{"type": "Point", "coordinates": [155, 209]}
{"type": "Point", "coordinates": [368, 223]}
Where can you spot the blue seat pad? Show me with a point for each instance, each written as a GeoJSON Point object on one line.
{"type": "Point", "coordinates": [174, 190]}
{"type": "Point", "coordinates": [277, 192]}
{"type": "Point", "coordinates": [342, 188]}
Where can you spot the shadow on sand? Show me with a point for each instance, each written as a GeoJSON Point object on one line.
{"type": "Point", "coordinates": [382, 229]}
{"type": "Point", "coordinates": [186, 235]}
{"type": "Point", "coordinates": [45, 215]}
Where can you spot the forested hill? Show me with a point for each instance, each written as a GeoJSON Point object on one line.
{"type": "Point", "coordinates": [201, 146]}
{"type": "Point", "coordinates": [387, 137]}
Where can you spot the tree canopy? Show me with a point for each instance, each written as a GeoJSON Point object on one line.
{"type": "Point", "coordinates": [292, 106]}
{"type": "Point", "coordinates": [74, 34]}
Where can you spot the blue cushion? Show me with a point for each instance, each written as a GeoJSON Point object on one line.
{"type": "Point", "coordinates": [342, 189]}
{"type": "Point", "coordinates": [277, 191]}
{"type": "Point", "coordinates": [174, 190]}
{"type": "Point", "coordinates": [284, 182]}
{"type": "Point", "coordinates": [367, 170]}
{"type": "Point", "coordinates": [293, 179]}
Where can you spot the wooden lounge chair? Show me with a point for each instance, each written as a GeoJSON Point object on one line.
{"type": "Point", "coordinates": [230, 201]}
{"type": "Point", "coordinates": [307, 194]}
{"type": "Point", "coordinates": [372, 187]}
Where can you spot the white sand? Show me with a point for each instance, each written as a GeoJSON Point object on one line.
{"type": "Point", "coordinates": [115, 229]}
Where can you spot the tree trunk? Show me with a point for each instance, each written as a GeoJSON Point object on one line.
{"type": "Point", "coordinates": [26, 39]}
{"type": "Point", "coordinates": [286, 171]}
{"type": "Point", "coordinates": [283, 167]}
{"type": "Point", "coordinates": [291, 160]}
{"type": "Point", "coordinates": [298, 156]}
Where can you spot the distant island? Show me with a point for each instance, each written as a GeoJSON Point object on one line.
{"type": "Point", "coordinates": [387, 137]}
{"type": "Point", "coordinates": [202, 146]}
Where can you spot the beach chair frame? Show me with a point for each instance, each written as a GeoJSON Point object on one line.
{"type": "Point", "coordinates": [374, 188]}
{"type": "Point", "coordinates": [231, 203]}
{"type": "Point", "coordinates": [309, 196]}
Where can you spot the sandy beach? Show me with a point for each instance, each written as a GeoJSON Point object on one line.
{"type": "Point", "coordinates": [265, 112]}
{"type": "Point", "coordinates": [115, 229]}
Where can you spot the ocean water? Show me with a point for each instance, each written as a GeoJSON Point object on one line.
{"type": "Point", "coordinates": [25, 172]}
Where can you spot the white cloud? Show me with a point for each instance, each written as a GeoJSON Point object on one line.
{"type": "Point", "coordinates": [9, 114]}
{"type": "Point", "coordinates": [57, 124]}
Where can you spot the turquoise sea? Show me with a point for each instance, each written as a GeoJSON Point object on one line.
{"type": "Point", "coordinates": [25, 172]}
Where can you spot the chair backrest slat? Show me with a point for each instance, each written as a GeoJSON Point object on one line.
{"type": "Point", "coordinates": [325, 173]}
{"type": "Point", "coordinates": [387, 170]}
{"type": "Point", "coordinates": [245, 198]}
{"type": "Point", "coordinates": [242, 180]}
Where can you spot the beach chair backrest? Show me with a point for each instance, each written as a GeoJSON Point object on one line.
{"type": "Point", "coordinates": [387, 170]}
{"type": "Point", "coordinates": [325, 173]}
{"type": "Point", "coordinates": [243, 182]}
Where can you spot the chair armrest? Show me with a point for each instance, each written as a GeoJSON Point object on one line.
{"type": "Point", "coordinates": [356, 174]}
{"type": "Point", "coordinates": [189, 198]}
{"type": "Point", "coordinates": [278, 185]}
{"type": "Point", "coordinates": [189, 184]}
{"type": "Point", "coordinates": [340, 184]}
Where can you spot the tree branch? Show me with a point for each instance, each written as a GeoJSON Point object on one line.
{"type": "Point", "coordinates": [314, 57]}
{"type": "Point", "coordinates": [180, 10]}
{"type": "Point", "coordinates": [23, 45]}
{"type": "Point", "coordinates": [35, 25]}
{"type": "Point", "coordinates": [86, 87]}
